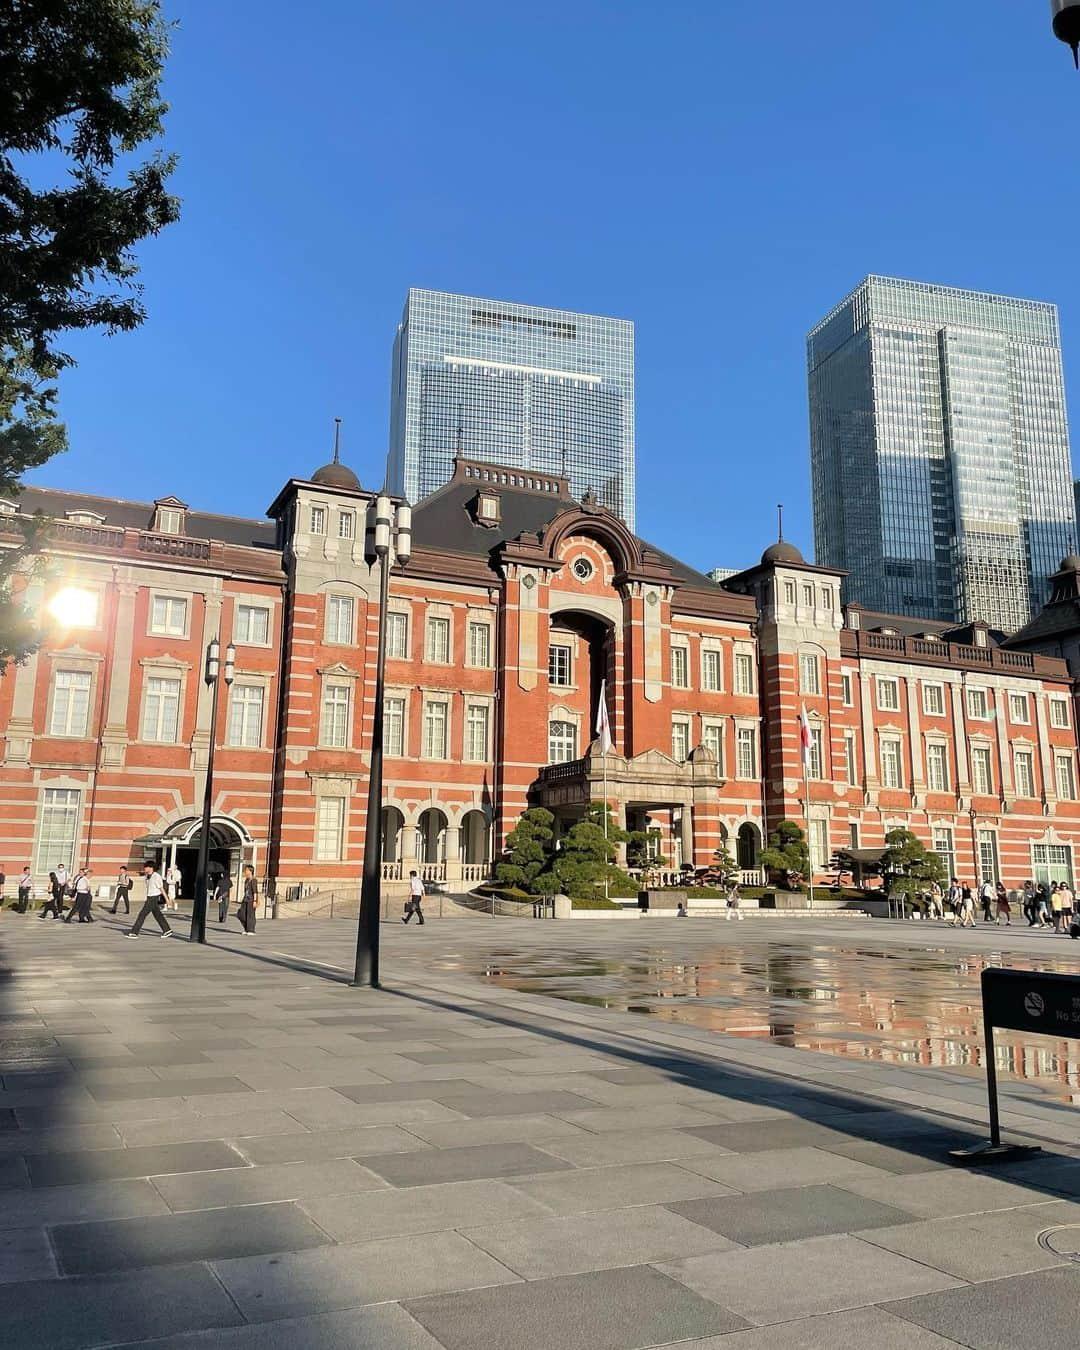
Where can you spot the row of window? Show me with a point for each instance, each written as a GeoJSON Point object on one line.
{"type": "Point", "coordinates": [712, 739]}
{"type": "Point", "coordinates": [979, 700]}
{"type": "Point", "coordinates": [712, 669]}
{"type": "Point", "coordinates": [169, 616]}
{"type": "Point", "coordinates": [435, 730]}
{"type": "Point", "coordinates": [341, 631]}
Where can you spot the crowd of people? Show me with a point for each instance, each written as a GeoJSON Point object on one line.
{"type": "Point", "coordinates": [1041, 904]}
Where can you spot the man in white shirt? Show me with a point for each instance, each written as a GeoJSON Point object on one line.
{"type": "Point", "coordinates": [25, 888]}
{"type": "Point", "coordinates": [155, 895]}
{"type": "Point", "coordinates": [174, 878]}
{"type": "Point", "coordinates": [84, 898]}
{"type": "Point", "coordinates": [416, 894]}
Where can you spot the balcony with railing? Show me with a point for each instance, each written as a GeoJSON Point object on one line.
{"type": "Point", "coordinates": [930, 651]}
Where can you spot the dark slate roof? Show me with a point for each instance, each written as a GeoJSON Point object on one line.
{"type": "Point", "coordinates": [140, 516]}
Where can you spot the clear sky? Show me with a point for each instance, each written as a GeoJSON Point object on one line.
{"type": "Point", "coordinates": [720, 172]}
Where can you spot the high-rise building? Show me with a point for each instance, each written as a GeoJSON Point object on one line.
{"type": "Point", "coordinates": [939, 446]}
{"type": "Point", "coordinates": [543, 391]}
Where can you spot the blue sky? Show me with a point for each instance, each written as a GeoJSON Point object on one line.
{"type": "Point", "coordinates": [721, 173]}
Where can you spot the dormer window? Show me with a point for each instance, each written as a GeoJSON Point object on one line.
{"type": "Point", "coordinates": [8, 508]}
{"type": "Point", "coordinates": [169, 515]}
{"type": "Point", "coordinates": [84, 517]}
{"type": "Point", "coordinates": [486, 507]}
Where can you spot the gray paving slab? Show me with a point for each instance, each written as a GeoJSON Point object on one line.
{"type": "Point", "coordinates": [462, 1164]}
{"type": "Point", "coordinates": [757, 1136]}
{"type": "Point", "coordinates": [25, 1254]}
{"type": "Point", "coordinates": [420, 1209]}
{"type": "Point", "coordinates": [492, 1130]}
{"type": "Point", "coordinates": [939, 1195]}
{"type": "Point", "coordinates": [475, 1102]}
{"type": "Point", "coordinates": [188, 1087]}
{"type": "Point", "coordinates": [786, 1215]}
{"type": "Point", "coordinates": [656, 1116]}
{"type": "Point", "coordinates": [106, 1309]}
{"type": "Point", "coordinates": [69, 1204]}
{"type": "Point", "coordinates": [72, 1169]}
{"type": "Point", "coordinates": [402, 1092]}
{"type": "Point", "coordinates": [235, 1125]}
{"type": "Point", "coordinates": [604, 1310]}
{"type": "Point", "coordinates": [386, 1326]}
{"type": "Point", "coordinates": [780, 1168]}
{"type": "Point", "coordinates": [859, 1329]}
{"type": "Point", "coordinates": [13, 1173]}
{"type": "Point", "coordinates": [151, 1056]}
{"type": "Point", "coordinates": [249, 1185]}
{"type": "Point", "coordinates": [172, 1239]}
{"type": "Point", "coordinates": [292, 1284]}
{"type": "Point", "coordinates": [896, 1156]}
{"type": "Point", "coordinates": [76, 1137]}
{"type": "Point", "coordinates": [628, 1146]}
{"type": "Point", "coordinates": [312, 1146]}
{"type": "Point", "coordinates": [466, 1054]}
{"type": "Point", "coordinates": [616, 1187]}
{"type": "Point", "coordinates": [803, 1279]}
{"type": "Point", "coordinates": [1026, 1312]}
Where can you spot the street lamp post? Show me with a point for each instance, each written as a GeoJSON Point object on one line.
{"type": "Point", "coordinates": [973, 816]}
{"type": "Point", "coordinates": [210, 675]}
{"type": "Point", "coordinates": [390, 528]}
{"type": "Point", "coordinates": [1066, 20]}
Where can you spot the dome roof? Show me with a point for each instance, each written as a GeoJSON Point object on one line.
{"type": "Point", "coordinates": [782, 552]}
{"type": "Point", "coordinates": [1070, 564]}
{"type": "Point", "coordinates": [335, 475]}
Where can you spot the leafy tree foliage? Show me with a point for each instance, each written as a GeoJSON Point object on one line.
{"type": "Point", "coordinates": [787, 854]}
{"type": "Point", "coordinates": [576, 868]}
{"type": "Point", "coordinates": [527, 848]}
{"type": "Point", "coordinates": [723, 862]}
{"type": "Point", "coordinates": [909, 866]}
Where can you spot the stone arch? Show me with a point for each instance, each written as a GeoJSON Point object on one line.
{"type": "Point", "coordinates": [748, 846]}
{"type": "Point", "coordinates": [393, 827]}
{"type": "Point", "coordinates": [431, 827]}
{"type": "Point", "coordinates": [475, 837]}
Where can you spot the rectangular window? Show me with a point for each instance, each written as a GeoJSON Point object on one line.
{"type": "Point", "coordinates": [746, 752]}
{"type": "Point", "coordinates": [937, 767]}
{"type": "Point", "coordinates": [161, 710]}
{"type": "Point", "coordinates": [252, 626]}
{"type": "Point", "coordinates": [168, 520]}
{"type": "Point", "coordinates": [71, 703]}
{"type": "Point", "coordinates": [57, 825]}
{"type": "Point", "coordinates": [1018, 709]}
{"type": "Point", "coordinates": [1066, 777]}
{"type": "Point", "coordinates": [1052, 862]}
{"type": "Point", "coordinates": [680, 667]}
{"type": "Point", "coordinates": [330, 829]}
{"type": "Point", "coordinates": [680, 741]}
{"type": "Point", "coordinates": [476, 733]}
{"type": "Point", "coordinates": [933, 700]}
{"type": "Point", "coordinates": [437, 646]}
{"type": "Point", "coordinates": [888, 694]}
{"type": "Point", "coordinates": [562, 742]}
{"type": "Point", "coordinates": [789, 592]}
{"type": "Point", "coordinates": [846, 695]}
{"type": "Point", "coordinates": [853, 834]}
{"type": "Point", "coordinates": [892, 772]}
{"type": "Point", "coordinates": [826, 597]}
{"type": "Point", "coordinates": [479, 644]}
{"type": "Point", "coordinates": [336, 703]}
{"type": "Point", "coordinates": [246, 715]}
{"type": "Point", "coordinates": [945, 848]}
{"type": "Point", "coordinates": [559, 664]}
{"type": "Point", "coordinates": [339, 619]}
{"type": "Point", "coordinates": [436, 716]}
{"type": "Point", "coordinates": [744, 673]}
{"type": "Point", "coordinates": [809, 674]}
{"type": "Point", "coordinates": [815, 766]}
{"type": "Point", "coordinates": [712, 738]}
{"type": "Point", "coordinates": [168, 616]}
{"type": "Point", "coordinates": [394, 727]}
{"type": "Point", "coordinates": [1059, 712]}
{"type": "Point", "coordinates": [710, 671]}
{"type": "Point", "coordinates": [317, 523]}
{"type": "Point", "coordinates": [346, 524]}
{"type": "Point", "coordinates": [851, 763]}
{"type": "Point", "coordinates": [808, 596]}
{"type": "Point", "coordinates": [397, 637]}
{"type": "Point", "coordinates": [981, 771]}
{"type": "Point", "coordinates": [977, 705]}
{"type": "Point", "coordinates": [818, 841]}
{"type": "Point", "coordinates": [988, 856]}
{"type": "Point", "coordinates": [1024, 773]}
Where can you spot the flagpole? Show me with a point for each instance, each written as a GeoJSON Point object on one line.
{"type": "Point", "coordinates": [607, 864]}
{"type": "Point", "coordinates": [809, 855]}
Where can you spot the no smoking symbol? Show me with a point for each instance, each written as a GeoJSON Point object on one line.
{"type": "Point", "coordinates": [1034, 1005]}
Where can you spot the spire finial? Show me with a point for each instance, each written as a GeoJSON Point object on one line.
{"type": "Point", "coordinates": [780, 522]}
{"type": "Point", "coordinates": [337, 440]}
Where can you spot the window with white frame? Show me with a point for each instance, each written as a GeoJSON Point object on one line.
{"type": "Point", "coordinates": [58, 823]}
{"type": "Point", "coordinates": [161, 709]}
{"type": "Point", "coordinates": [1066, 777]}
{"type": "Point", "coordinates": [394, 727]}
{"type": "Point", "coordinates": [680, 667]}
{"type": "Point", "coordinates": [346, 524]}
{"type": "Point", "coordinates": [937, 766]}
{"type": "Point", "coordinates": [988, 856]}
{"type": "Point", "coordinates": [317, 520]}
{"type": "Point", "coordinates": [933, 700]}
{"type": "Point", "coordinates": [818, 844]}
{"type": "Point", "coordinates": [1024, 773]}
{"type": "Point", "coordinates": [851, 762]}
{"type": "Point", "coordinates": [339, 619]}
{"type": "Point", "coordinates": [789, 592]}
{"type": "Point", "coordinates": [680, 740]}
{"type": "Point", "coordinates": [330, 829]}
{"type": "Point", "coordinates": [711, 679]}
{"type": "Point", "coordinates": [809, 673]}
{"type": "Point", "coordinates": [944, 846]}
{"type": "Point", "coordinates": [744, 673]}
{"type": "Point", "coordinates": [846, 693]}
{"type": "Point", "coordinates": [892, 769]}
{"type": "Point", "coordinates": [168, 615]}
{"type": "Point", "coordinates": [70, 703]}
{"type": "Point", "coordinates": [815, 759]}
{"type": "Point", "coordinates": [853, 833]}
{"type": "Point", "coordinates": [559, 665]}
{"type": "Point", "coordinates": [981, 770]}
{"type": "Point", "coordinates": [1018, 709]}
{"type": "Point", "coordinates": [562, 742]}
{"type": "Point", "coordinates": [252, 627]}
{"type": "Point", "coordinates": [336, 706]}
{"type": "Point", "coordinates": [476, 733]}
{"type": "Point", "coordinates": [169, 520]}
{"type": "Point", "coordinates": [977, 704]}
{"type": "Point", "coordinates": [888, 693]}
{"type": "Point", "coordinates": [712, 738]}
{"type": "Point", "coordinates": [808, 596]}
{"type": "Point", "coordinates": [437, 640]}
{"type": "Point", "coordinates": [479, 643]}
{"type": "Point", "coordinates": [746, 752]}
{"type": "Point", "coordinates": [1051, 862]}
{"type": "Point", "coordinates": [246, 714]}
{"type": "Point", "coordinates": [1059, 712]}
{"type": "Point", "coordinates": [826, 597]}
{"type": "Point", "coordinates": [435, 731]}
{"type": "Point", "coordinates": [397, 636]}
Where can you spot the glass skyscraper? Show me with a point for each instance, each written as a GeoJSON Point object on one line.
{"type": "Point", "coordinates": [939, 447]}
{"type": "Point", "coordinates": [535, 389]}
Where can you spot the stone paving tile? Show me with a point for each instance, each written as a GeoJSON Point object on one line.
{"type": "Point", "coordinates": [860, 1329]}
{"type": "Point", "coordinates": [462, 1164]}
{"type": "Point", "coordinates": [1026, 1312]}
{"type": "Point", "coordinates": [191, 1087]}
{"type": "Point", "coordinates": [616, 1187]}
{"type": "Point", "coordinates": [186, 1128]}
{"type": "Point", "coordinates": [280, 1181]}
{"type": "Point", "coordinates": [150, 1057]}
{"type": "Point", "coordinates": [420, 1209]}
{"type": "Point", "coordinates": [596, 1150]}
{"type": "Point", "coordinates": [403, 1092]}
{"type": "Point", "coordinates": [804, 1279]}
{"type": "Point", "coordinates": [669, 1115]}
{"type": "Point", "coordinates": [386, 1326]}
{"type": "Point", "coordinates": [172, 1239]}
{"type": "Point", "coordinates": [294, 1283]}
{"type": "Point", "coordinates": [893, 1157]}
{"type": "Point", "coordinates": [25, 1254]}
{"type": "Point", "coordinates": [787, 1215]}
{"type": "Point", "coordinates": [939, 1195]}
{"type": "Point", "coordinates": [464, 1054]}
{"type": "Point", "coordinates": [105, 1309]}
{"type": "Point", "coordinates": [474, 1102]}
{"type": "Point", "coordinates": [492, 1130]}
{"type": "Point", "coordinates": [71, 1169]}
{"type": "Point", "coordinates": [756, 1137]}
{"type": "Point", "coordinates": [13, 1174]}
{"type": "Point", "coordinates": [570, 1245]}
{"type": "Point", "coordinates": [314, 1145]}
{"type": "Point", "coordinates": [780, 1168]}
{"type": "Point", "coordinates": [604, 1310]}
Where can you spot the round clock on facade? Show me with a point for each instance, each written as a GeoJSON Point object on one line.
{"type": "Point", "coordinates": [582, 568]}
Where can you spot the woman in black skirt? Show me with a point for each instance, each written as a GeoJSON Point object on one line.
{"type": "Point", "coordinates": [54, 900]}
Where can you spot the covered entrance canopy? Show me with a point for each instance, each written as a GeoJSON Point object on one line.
{"type": "Point", "coordinates": [231, 846]}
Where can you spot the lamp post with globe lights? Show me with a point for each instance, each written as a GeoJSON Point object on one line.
{"type": "Point", "coordinates": [211, 673]}
{"type": "Point", "coordinates": [1066, 20]}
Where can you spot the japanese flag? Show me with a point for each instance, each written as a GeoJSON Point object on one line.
{"type": "Point", "coordinates": [603, 726]}
{"type": "Point", "coordinates": [804, 735]}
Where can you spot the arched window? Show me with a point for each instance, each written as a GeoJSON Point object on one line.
{"type": "Point", "coordinates": [562, 742]}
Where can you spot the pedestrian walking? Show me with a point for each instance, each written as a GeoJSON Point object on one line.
{"type": "Point", "coordinates": [173, 880]}
{"type": "Point", "coordinates": [83, 898]}
{"type": "Point", "coordinates": [24, 890]}
{"type": "Point", "coordinates": [3, 883]}
{"type": "Point", "coordinates": [1042, 904]}
{"type": "Point", "coordinates": [733, 911]}
{"type": "Point", "coordinates": [987, 896]}
{"type": "Point", "coordinates": [967, 919]}
{"type": "Point", "coordinates": [155, 898]}
{"type": "Point", "coordinates": [1004, 909]}
{"type": "Point", "coordinates": [937, 901]}
{"type": "Point", "coordinates": [122, 891]}
{"type": "Point", "coordinates": [223, 892]}
{"type": "Point", "coordinates": [955, 902]}
{"type": "Point", "coordinates": [1066, 906]}
{"type": "Point", "coordinates": [1030, 903]}
{"type": "Point", "coordinates": [416, 896]}
{"type": "Point", "coordinates": [54, 898]}
{"type": "Point", "coordinates": [246, 912]}
{"type": "Point", "coordinates": [680, 911]}
{"type": "Point", "coordinates": [1056, 906]}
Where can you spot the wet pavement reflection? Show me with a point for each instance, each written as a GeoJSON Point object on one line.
{"type": "Point", "coordinates": [913, 1008]}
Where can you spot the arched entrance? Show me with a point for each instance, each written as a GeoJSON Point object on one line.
{"type": "Point", "coordinates": [580, 658]}
{"type": "Point", "coordinates": [231, 846]}
{"type": "Point", "coordinates": [474, 838]}
{"type": "Point", "coordinates": [431, 836]}
{"type": "Point", "coordinates": [747, 847]}
{"type": "Point", "coordinates": [393, 822]}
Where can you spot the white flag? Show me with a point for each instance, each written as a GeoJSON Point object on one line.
{"type": "Point", "coordinates": [804, 735]}
{"type": "Point", "coordinates": [603, 726]}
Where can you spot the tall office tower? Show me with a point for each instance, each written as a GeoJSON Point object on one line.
{"type": "Point", "coordinates": [539, 390]}
{"type": "Point", "coordinates": [939, 451]}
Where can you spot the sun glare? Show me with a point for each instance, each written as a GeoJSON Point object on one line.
{"type": "Point", "coordinates": [74, 607]}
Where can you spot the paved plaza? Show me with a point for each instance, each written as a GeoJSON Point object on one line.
{"type": "Point", "coordinates": [228, 1147]}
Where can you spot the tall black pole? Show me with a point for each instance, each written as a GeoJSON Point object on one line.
{"type": "Point", "coordinates": [367, 931]}
{"type": "Point", "coordinates": [198, 911]}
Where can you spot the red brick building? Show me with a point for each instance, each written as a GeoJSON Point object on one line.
{"type": "Point", "coordinates": [518, 604]}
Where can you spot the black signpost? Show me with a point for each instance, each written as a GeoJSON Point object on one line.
{"type": "Point", "coordinates": [1020, 1000]}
